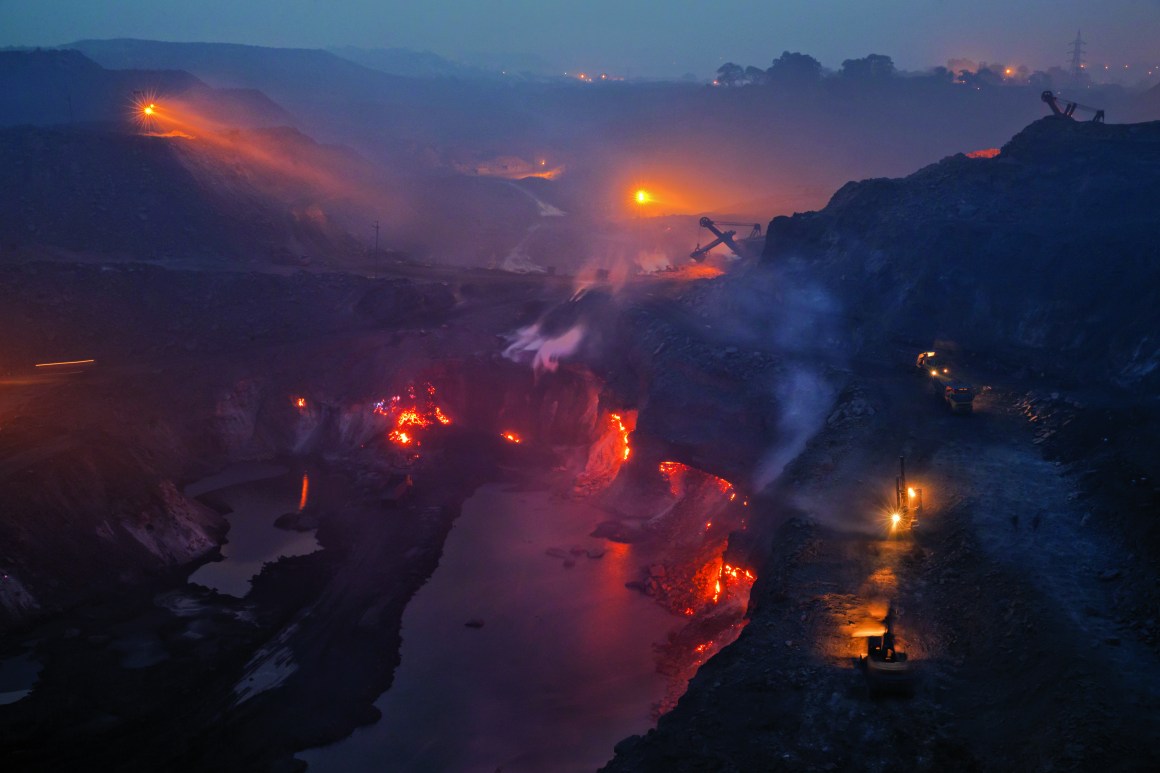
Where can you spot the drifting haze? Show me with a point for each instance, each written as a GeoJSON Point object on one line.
{"type": "Point", "coordinates": [649, 39]}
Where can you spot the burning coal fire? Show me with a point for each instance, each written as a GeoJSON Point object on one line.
{"type": "Point", "coordinates": [511, 437]}
{"type": "Point", "coordinates": [623, 432]}
{"type": "Point", "coordinates": [609, 453]}
{"type": "Point", "coordinates": [409, 416]}
{"type": "Point", "coordinates": [675, 473]}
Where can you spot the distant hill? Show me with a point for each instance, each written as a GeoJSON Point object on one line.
{"type": "Point", "coordinates": [392, 119]}
{"type": "Point", "coordinates": [410, 64]}
{"type": "Point", "coordinates": [48, 87]}
{"type": "Point", "coordinates": [1046, 253]}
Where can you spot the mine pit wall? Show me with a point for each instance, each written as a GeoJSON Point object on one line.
{"type": "Point", "coordinates": [120, 517]}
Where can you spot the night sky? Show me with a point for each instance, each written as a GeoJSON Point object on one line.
{"type": "Point", "coordinates": [626, 37]}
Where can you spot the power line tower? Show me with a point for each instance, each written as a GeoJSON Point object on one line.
{"type": "Point", "coordinates": [1077, 61]}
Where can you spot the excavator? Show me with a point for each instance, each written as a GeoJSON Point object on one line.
{"type": "Point", "coordinates": [744, 248]}
{"type": "Point", "coordinates": [1068, 108]}
{"type": "Point", "coordinates": [887, 670]}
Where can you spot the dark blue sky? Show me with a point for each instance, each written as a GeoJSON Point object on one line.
{"type": "Point", "coordinates": [625, 36]}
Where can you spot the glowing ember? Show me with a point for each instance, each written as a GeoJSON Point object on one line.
{"type": "Point", "coordinates": [511, 437]}
{"type": "Point", "coordinates": [675, 473]}
{"type": "Point", "coordinates": [608, 453]}
{"type": "Point", "coordinates": [299, 402]}
{"type": "Point", "coordinates": [732, 581]}
{"type": "Point", "coordinates": [410, 415]}
{"type": "Point", "coordinates": [700, 271]}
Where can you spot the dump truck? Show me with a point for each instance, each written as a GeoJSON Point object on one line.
{"type": "Point", "coordinates": [959, 396]}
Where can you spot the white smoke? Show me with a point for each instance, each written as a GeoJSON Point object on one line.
{"type": "Point", "coordinates": [806, 398]}
{"type": "Point", "coordinates": [544, 352]}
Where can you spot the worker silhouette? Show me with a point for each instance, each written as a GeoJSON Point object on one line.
{"type": "Point", "coordinates": [888, 636]}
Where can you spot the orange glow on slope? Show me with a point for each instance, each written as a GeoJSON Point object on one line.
{"type": "Point", "coordinates": [176, 119]}
{"type": "Point", "coordinates": [733, 581]}
{"type": "Point", "coordinates": [623, 434]}
{"type": "Point", "coordinates": [675, 473]}
{"type": "Point", "coordinates": [985, 153]}
{"type": "Point", "coordinates": [410, 415]}
{"type": "Point", "coordinates": [511, 437]}
{"type": "Point", "coordinates": [608, 452]}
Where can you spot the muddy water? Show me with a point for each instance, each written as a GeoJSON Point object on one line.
{"type": "Point", "coordinates": [258, 495]}
{"type": "Point", "coordinates": [562, 668]}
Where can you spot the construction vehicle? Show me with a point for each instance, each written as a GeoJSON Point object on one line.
{"type": "Point", "coordinates": [907, 500]}
{"type": "Point", "coordinates": [958, 395]}
{"type": "Point", "coordinates": [928, 361]}
{"type": "Point", "coordinates": [747, 247]}
{"type": "Point", "coordinates": [1067, 108]}
{"type": "Point", "coordinates": [886, 669]}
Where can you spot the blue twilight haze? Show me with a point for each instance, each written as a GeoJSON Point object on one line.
{"type": "Point", "coordinates": [626, 37]}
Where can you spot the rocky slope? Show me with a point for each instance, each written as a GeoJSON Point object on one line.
{"type": "Point", "coordinates": [1044, 253]}
{"type": "Point", "coordinates": [1037, 271]}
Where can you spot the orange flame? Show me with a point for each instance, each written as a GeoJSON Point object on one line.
{"type": "Point", "coordinates": [412, 415]}
{"type": "Point", "coordinates": [623, 434]}
{"type": "Point", "coordinates": [511, 437]}
{"type": "Point", "coordinates": [732, 580]}
{"type": "Point", "coordinates": [675, 474]}
{"type": "Point", "coordinates": [299, 402]}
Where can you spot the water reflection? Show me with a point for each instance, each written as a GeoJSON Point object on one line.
{"type": "Point", "coordinates": [562, 668]}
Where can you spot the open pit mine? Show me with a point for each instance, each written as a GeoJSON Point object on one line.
{"type": "Point", "coordinates": [875, 492]}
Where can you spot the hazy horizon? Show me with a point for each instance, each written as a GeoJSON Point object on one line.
{"type": "Point", "coordinates": [628, 39]}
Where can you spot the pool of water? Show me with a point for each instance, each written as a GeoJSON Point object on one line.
{"type": "Point", "coordinates": [258, 495]}
{"type": "Point", "coordinates": [562, 668]}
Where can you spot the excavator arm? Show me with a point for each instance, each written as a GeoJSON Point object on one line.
{"type": "Point", "coordinates": [723, 237]}
{"type": "Point", "coordinates": [1068, 109]}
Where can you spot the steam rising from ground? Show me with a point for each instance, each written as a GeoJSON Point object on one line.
{"type": "Point", "coordinates": [797, 324]}
{"type": "Point", "coordinates": [544, 352]}
{"type": "Point", "coordinates": [806, 398]}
